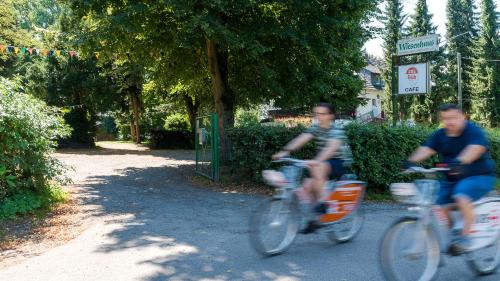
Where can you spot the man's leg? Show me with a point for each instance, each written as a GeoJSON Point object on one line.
{"type": "Point", "coordinates": [469, 190]}
{"type": "Point", "coordinates": [319, 175]}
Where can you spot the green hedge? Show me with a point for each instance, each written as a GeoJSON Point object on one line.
{"type": "Point", "coordinates": [28, 132]}
{"type": "Point", "coordinates": [378, 149]}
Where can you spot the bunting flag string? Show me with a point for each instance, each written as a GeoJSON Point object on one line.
{"type": "Point", "coordinates": [8, 49]}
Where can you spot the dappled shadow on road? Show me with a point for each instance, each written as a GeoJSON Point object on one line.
{"type": "Point", "coordinates": [180, 231]}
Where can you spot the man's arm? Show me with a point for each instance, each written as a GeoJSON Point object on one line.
{"type": "Point", "coordinates": [471, 153]}
{"type": "Point", "coordinates": [421, 154]}
{"type": "Point", "coordinates": [294, 144]}
{"type": "Point", "coordinates": [327, 152]}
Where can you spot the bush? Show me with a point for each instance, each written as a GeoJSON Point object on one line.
{"type": "Point", "coordinates": [177, 122]}
{"type": "Point", "coordinates": [28, 133]}
{"type": "Point", "coordinates": [254, 145]}
{"type": "Point", "coordinates": [162, 139]}
{"type": "Point", "coordinates": [378, 149]}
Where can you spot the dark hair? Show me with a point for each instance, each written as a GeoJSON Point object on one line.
{"type": "Point", "coordinates": [325, 105]}
{"type": "Point", "coordinates": [449, 106]}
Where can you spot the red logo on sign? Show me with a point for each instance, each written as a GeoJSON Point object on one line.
{"type": "Point", "coordinates": [412, 73]}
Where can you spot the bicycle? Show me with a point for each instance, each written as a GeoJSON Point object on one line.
{"type": "Point", "coordinates": [429, 233]}
{"type": "Point", "coordinates": [289, 208]}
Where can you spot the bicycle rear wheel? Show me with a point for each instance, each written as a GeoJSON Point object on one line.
{"type": "Point", "coordinates": [486, 260]}
{"type": "Point", "coordinates": [409, 252]}
{"type": "Point", "coordinates": [274, 226]}
{"type": "Point", "coordinates": [348, 228]}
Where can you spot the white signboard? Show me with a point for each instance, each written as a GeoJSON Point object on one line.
{"type": "Point", "coordinates": [413, 79]}
{"type": "Point", "coordinates": [417, 45]}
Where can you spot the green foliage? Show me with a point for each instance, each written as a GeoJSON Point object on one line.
{"type": "Point", "coordinates": [485, 83]}
{"type": "Point", "coordinates": [460, 15]}
{"type": "Point", "coordinates": [247, 117]}
{"type": "Point", "coordinates": [393, 19]}
{"type": "Point", "coordinates": [27, 201]}
{"type": "Point", "coordinates": [253, 146]}
{"type": "Point", "coordinates": [378, 150]}
{"type": "Point", "coordinates": [28, 130]}
{"type": "Point", "coordinates": [177, 122]}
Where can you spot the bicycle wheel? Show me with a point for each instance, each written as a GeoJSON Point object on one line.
{"type": "Point", "coordinates": [348, 228]}
{"type": "Point", "coordinates": [274, 226]}
{"type": "Point", "coordinates": [486, 260]}
{"type": "Point", "coordinates": [409, 252]}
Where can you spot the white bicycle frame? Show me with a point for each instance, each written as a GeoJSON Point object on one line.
{"type": "Point", "coordinates": [484, 232]}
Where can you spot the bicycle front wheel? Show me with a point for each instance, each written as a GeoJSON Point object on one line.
{"type": "Point", "coordinates": [409, 252]}
{"type": "Point", "coordinates": [274, 226]}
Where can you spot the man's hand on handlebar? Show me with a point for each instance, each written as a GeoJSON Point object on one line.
{"type": "Point", "coordinates": [280, 155]}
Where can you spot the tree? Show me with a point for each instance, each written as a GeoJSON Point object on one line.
{"type": "Point", "coordinates": [424, 107]}
{"type": "Point", "coordinates": [485, 84]}
{"type": "Point", "coordinates": [393, 20]}
{"type": "Point", "coordinates": [294, 52]}
{"type": "Point", "coordinates": [460, 14]}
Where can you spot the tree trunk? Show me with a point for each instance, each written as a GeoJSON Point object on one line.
{"type": "Point", "coordinates": [192, 110]}
{"type": "Point", "coordinates": [222, 94]}
{"type": "Point", "coordinates": [135, 101]}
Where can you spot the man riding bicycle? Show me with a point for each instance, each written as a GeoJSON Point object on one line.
{"type": "Point", "coordinates": [464, 147]}
{"type": "Point", "coordinates": [333, 156]}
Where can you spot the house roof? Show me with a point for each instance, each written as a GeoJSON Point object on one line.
{"type": "Point", "coordinates": [367, 77]}
{"type": "Point", "coordinates": [373, 69]}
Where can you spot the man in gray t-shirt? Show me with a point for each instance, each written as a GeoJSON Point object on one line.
{"type": "Point", "coordinates": [334, 154]}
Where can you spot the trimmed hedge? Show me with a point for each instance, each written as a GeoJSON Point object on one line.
{"type": "Point", "coordinates": [378, 149]}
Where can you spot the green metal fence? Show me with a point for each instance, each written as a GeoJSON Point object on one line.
{"type": "Point", "coordinates": [207, 147]}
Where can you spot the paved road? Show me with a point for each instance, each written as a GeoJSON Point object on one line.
{"type": "Point", "coordinates": [148, 223]}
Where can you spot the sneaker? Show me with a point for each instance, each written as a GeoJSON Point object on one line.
{"type": "Point", "coordinates": [311, 227]}
{"type": "Point", "coordinates": [460, 245]}
{"type": "Point", "coordinates": [321, 208]}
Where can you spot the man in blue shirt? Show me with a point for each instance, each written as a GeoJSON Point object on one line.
{"type": "Point", "coordinates": [465, 148]}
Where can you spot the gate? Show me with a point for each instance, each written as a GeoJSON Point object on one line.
{"type": "Point", "coordinates": [207, 147]}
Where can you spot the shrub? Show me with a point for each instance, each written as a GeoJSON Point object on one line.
{"type": "Point", "coordinates": [28, 133]}
{"type": "Point", "coordinates": [254, 145]}
{"type": "Point", "coordinates": [177, 122]}
{"type": "Point", "coordinates": [378, 149]}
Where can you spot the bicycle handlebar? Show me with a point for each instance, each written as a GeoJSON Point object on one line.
{"type": "Point", "coordinates": [297, 162]}
{"type": "Point", "coordinates": [422, 170]}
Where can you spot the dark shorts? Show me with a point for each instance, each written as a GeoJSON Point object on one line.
{"type": "Point", "coordinates": [472, 188]}
{"type": "Point", "coordinates": [337, 168]}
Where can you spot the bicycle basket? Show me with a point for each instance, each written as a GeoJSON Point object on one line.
{"type": "Point", "coordinates": [427, 190]}
{"type": "Point", "coordinates": [404, 192]}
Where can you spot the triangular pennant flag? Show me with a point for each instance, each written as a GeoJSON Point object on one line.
{"type": "Point", "coordinates": [62, 52]}
{"type": "Point", "coordinates": [30, 51]}
{"type": "Point", "coordinates": [37, 52]}
{"type": "Point", "coordinates": [10, 49]}
{"type": "Point", "coordinates": [23, 50]}
{"type": "Point", "coordinates": [16, 50]}
{"type": "Point", "coordinates": [51, 53]}
{"type": "Point", "coordinates": [45, 52]}
{"type": "Point", "coordinates": [2, 48]}
{"type": "Point", "coordinates": [58, 52]}
{"type": "Point", "coordinates": [72, 53]}
{"type": "Point", "coordinates": [96, 55]}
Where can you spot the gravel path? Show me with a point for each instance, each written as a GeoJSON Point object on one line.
{"type": "Point", "coordinates": [145, 221]}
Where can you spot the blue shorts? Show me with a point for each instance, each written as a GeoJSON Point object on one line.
{"type": "Point", "coordinates": [472, 188]}
{"type": "Point", "coordinates": [337, 168]}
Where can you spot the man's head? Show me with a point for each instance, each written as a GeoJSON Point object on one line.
{"type": "Point", "coordinates": [452, 118]}
{"type": "Point", "coordinates": [323, 112]}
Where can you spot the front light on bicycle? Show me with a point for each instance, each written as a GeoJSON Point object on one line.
{"type": "Point", "coordinates": [404, 192]}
